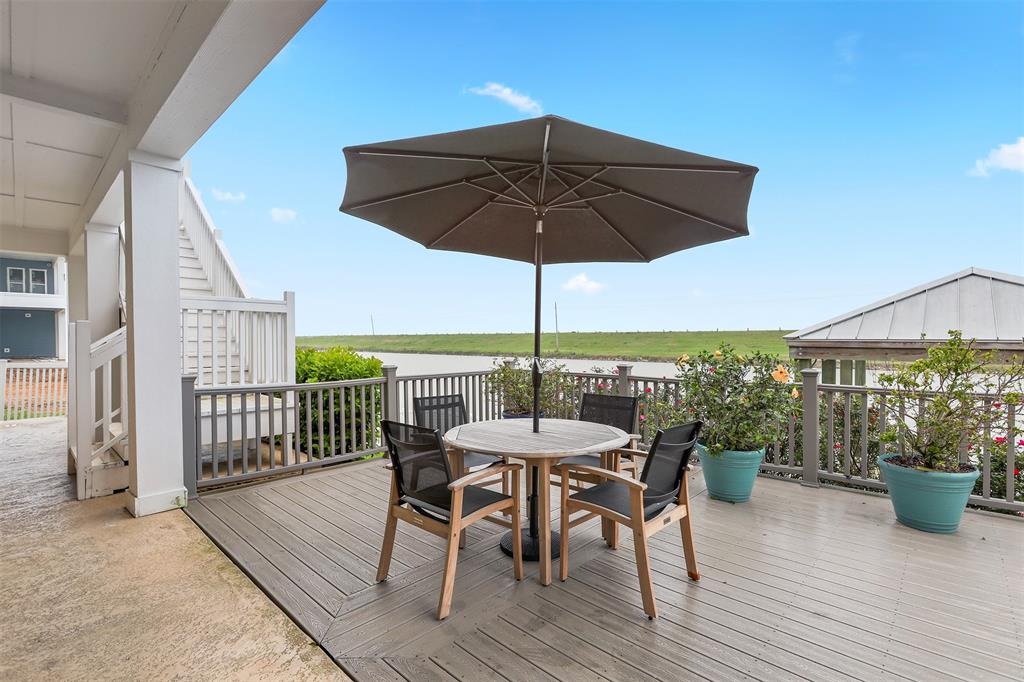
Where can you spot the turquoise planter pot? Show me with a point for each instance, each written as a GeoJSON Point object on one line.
{"type": "Point", "coordinates": [730, 476]}
{"type": "Point", "coordinates": [932, 501]}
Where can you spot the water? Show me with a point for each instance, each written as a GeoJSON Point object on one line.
{"type": "Point", "coordinates": [430, 363]}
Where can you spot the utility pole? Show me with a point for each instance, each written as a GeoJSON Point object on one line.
{"type": "Point", "coordinates": [556, 325]}
{"type": "Point", "coordinates": [373, 332]}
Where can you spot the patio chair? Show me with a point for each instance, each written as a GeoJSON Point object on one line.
{"type": "Point", "coordinates": [443, 412]}
{"type": "Point", "coordinates": [644, 506]}
{"type": "Point", "coordinates": [424, 494]}
{"type": "Point", "coordinates": [612, 410]}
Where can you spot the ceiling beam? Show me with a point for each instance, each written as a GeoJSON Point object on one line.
{"type": "Point", "coordinates": [36, 93]}
{"type": "Point", "coordinates": [211, 52]}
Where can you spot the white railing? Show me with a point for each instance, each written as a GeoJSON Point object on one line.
{"type": "Point", "coordinates": [97, 402]}
{"type": "Point", "coordinates": [233, 341]}
{"type": "Point", "coordinates": [29, 390]}
{"type": "Point", "coordinates": [206, 241]}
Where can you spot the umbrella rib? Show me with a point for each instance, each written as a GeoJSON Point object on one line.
{"type": "Point", "coordinates": [572, 190]}
{"type": "Point", "coordinates": [661, 204]}
{"type": "Point", "coordinates": [489, 202]}
{"type": "Point", "coordinates": [497, 193]}
{"type": "Point", "coordinates": [505, 178]}
{"type": "Point", "coordinates": [585, 199]}
{"type": "Point", "coordinates": [426, 190]}
{"type": "Point", "coordinates": [691, 168]}
{"type": "Point", "coordinates": [440, 157]}
{"type": "Point", "coordinates": [541, 186]}
{"type": "Point", "coordinates": [621, 236]}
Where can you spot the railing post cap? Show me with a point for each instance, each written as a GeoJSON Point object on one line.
{"type": "Point", "coordinates": [813, 371]}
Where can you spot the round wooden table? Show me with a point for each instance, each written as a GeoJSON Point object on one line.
{"type": "Point", "coordinates": [515, 438]}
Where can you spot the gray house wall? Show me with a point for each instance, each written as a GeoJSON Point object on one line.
{"type": "Point", "coordinates": [27, 333]}
{"type": "Point", "coordinates": [7, 261]}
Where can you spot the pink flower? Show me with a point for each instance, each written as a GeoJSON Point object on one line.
{"type": "Point", "coordinates": [600, 387]}
{"type": "Point", "coordinates": [997, 405]}
{"type": "Point", "coordinates": [643, 417]}
{"type": "Point", "coordinates": [999, 440]}
{"type": "Point", "coordinates": [647, 390]}
{"type": "Point", "coordinates": [1021, 442]}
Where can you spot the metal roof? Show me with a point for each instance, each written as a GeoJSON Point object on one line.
{"type": "Point", "coordinates": [983, 305]}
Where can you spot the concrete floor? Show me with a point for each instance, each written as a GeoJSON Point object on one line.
{"type": "Point", "coordinates": [87, 592]}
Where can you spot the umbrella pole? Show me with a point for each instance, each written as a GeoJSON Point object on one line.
{"type": "Point", "coordinates": [538, 261]}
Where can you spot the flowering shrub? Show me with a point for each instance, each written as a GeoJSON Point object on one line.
{"type": "Point", "coordinates": [512, 382]}
{"type": "Point", "coordinates": [998, 451]}
{"type": "Point", "coordinates": [741, 399]}
{"type": "Point", "coordinates": [968, 390]}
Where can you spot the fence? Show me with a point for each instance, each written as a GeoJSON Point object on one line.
{"type": "Point", "coordinates": [29, 390]}
{"type": "Point", "coordinates": [235, 434]}
{"type": "Point", "coordinates": [841, 425]}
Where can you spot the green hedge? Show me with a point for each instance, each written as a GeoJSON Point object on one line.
{"type": "Point", "coordinates": [337, 364]}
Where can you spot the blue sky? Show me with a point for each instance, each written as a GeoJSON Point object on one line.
{"type": "Point", "coordinates": [890, 139]}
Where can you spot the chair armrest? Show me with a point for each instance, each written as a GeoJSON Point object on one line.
{"type": "Point", "coordinates": [564, 469]}
{"type": "Point", "coordinates": [389, 466]}
{"type": "Point", "coordinates": [632, 451]}
{"type": "Point", "coordinates": [482, 474]}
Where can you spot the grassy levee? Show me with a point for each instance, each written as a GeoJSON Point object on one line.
{"type": "Point", "coordinates": [602, 345]}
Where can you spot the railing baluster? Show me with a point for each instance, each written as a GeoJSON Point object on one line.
{"type": "Point", "coordinates": [214, 416]}
{"type": "Point", "coordinates": [986, 452]}
{"type": "Point", "coordinates": [1011, 451]}
{"type": "Point", "coordinates": [330, 405]}
{"type": "Point", "coordinates": [830, 411]}
{"type": "Point", "coordinates": [230, 418]}
{"type": "Point", "coordinates": [242, 408]}
{"type": "Point", "coordinates": [320, 412]}
{"type": "Point", "coordinates": [847, 454]}
{"type": "Point", "coordinates": [865, 414]}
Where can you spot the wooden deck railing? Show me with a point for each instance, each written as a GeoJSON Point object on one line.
{"type": "Point", "coordinates": [841, 425]}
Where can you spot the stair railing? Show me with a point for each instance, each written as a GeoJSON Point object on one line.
{"type": "Point", "coordinates": [208, 246]}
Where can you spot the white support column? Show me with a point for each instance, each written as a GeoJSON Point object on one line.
{"type": "Point", "coordinates": [154, 345]}
{"type": "Point", "coordinates": [102, 245]}
{"type": "Point", "coordinates": [60, 287]}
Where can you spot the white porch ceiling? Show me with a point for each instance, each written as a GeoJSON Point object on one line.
{"type": "Point", "coordinates": [69, 70]}
{"type": "Point", "coordinates": [84, 82]}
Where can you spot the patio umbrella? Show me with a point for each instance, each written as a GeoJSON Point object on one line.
{"type": "Point", "coordinates": [547, 190]}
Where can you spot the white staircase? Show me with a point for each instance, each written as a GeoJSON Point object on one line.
{"type": "Point", "coordinates": [228, 338]}
{"type": "Point", "coordinates": [193, 280]}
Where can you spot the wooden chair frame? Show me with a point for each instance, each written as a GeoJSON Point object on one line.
{"type": "Point", "coordinates": [635, 521]}
{"type": "Point", "coordinates": [453, 530]}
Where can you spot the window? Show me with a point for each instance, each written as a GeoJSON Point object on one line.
{"type": "Point", "coordinates": [16, 280]}
{"type": "Point", "coordinates": [37, 281]}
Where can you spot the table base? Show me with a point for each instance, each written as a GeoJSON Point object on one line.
{"type": "Point", "coordinates": [531, 545]}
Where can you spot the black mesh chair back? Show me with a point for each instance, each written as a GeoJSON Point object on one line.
{"type": "Point", "coordinates": [440, 412]}
{"type": "Point", "coordinates": [418, 455]}
{"type": "Point", "coordinates": [619, 411]}
{"type": "Point", "coordinates": [666, 462]}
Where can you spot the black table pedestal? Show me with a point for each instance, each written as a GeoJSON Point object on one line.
{"type": "Point", "coordinates": [531, 534]}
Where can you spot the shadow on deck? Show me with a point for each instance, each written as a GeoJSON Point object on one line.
{"type": "Point", "coordinates": [798, 583]}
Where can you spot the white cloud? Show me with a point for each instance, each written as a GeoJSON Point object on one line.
{"type": "Point", "coordinates": [1004, 157]}
{"type": "Point", "coordinates": [230, 197]}
{"type": "Point", "coordinates": [282, 215]}
{"type": "Point", "coordinates": [513, 98]}
{"type": "Point", "coordinates": [584, 284]}
{"type": "Point", "coordinates": [848, 48]}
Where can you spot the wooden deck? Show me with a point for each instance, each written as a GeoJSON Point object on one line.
{"type": "Point", "coordinates": [799, 583]}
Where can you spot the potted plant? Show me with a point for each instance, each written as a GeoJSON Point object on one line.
{"type": "Point", "coordinates": [741, 399]}
{"type": "Point", "coordinates": [512, 382]}
{"type": "Point", "coordinates": [948, 397]}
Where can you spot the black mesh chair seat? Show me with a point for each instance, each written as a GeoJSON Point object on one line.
{"type": "Point", "coordinates": [436, 501]}
{"type": "Point", "coordinates": [587, 460]}
{"type": "Point", "coordinates": [472, 460]}
{"type": "Point", "coordinates": [615, 496]}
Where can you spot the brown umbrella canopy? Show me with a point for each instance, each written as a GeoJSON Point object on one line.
{"type": "Point", "coordinates": [547, 190]}
{"type": "Point", "coordinates": [602, 196]}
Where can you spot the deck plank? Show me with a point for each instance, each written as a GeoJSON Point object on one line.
{"type": "Point", "coordinates": [798, 584]}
